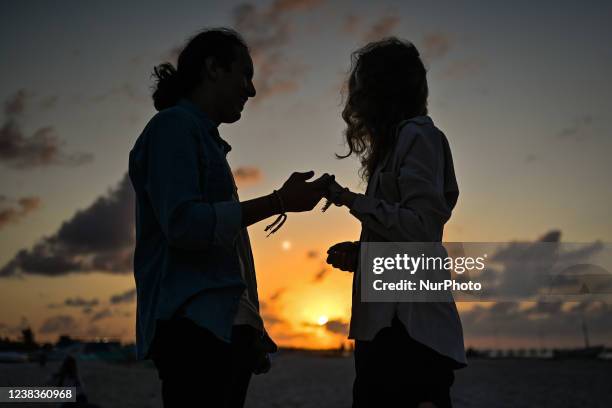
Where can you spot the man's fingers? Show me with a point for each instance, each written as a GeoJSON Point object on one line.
{"type": "Point", "coordinates": [302, 176]}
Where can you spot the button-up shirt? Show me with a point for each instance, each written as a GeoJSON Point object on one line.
{"type": "Point", "coordinates": [187, 223]}
{"type": "Point", "coordinates": [409, 198]}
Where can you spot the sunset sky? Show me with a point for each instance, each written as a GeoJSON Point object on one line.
{"type": "Point", "coordinates": [521, 89]}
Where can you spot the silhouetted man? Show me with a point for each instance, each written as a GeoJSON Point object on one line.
{"type": "Point", "coordinates": [198, 312]}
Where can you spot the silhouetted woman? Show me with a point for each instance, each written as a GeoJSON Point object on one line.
{"type": "Point", "coordinates": [405, 352]}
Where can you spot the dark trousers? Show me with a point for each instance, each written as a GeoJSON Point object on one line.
{"type": "Point", "coordinates": [394, 370]}
{"type": "Point", "coordinates": [197, 369]}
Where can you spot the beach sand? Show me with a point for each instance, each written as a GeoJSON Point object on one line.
{"type": "Point", "coordinates": [308, 381]}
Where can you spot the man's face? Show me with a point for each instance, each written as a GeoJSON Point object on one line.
{"type": "Point", "coordinates": [235, 87]}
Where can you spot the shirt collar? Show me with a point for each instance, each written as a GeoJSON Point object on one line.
{"type": "Point", "coordinates": [209, 125]}
{"type": "Point", "coordinates": [421, 120]}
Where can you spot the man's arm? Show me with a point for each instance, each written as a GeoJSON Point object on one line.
{"type": "Point", "coordinates": [296, 195]}
{"type": "Point", "coordinates": [174, 190]}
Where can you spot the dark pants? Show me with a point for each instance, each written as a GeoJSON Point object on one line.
{"type": "Point", "coordinates": [197, 369]}
{"type": "Point", "coordinates": [394, 370]}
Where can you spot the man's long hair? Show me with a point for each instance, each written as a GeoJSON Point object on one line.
{"type": "Point", "coordinates": [172, 84]}
{"type": "Point", "coordinates": [387, 84]}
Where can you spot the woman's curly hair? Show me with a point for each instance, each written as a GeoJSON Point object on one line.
{"type": "Point", "coordinates": [387, 84]}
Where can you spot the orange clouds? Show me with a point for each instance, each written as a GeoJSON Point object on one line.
{"type": "Point", "coordinates": [246, 175]}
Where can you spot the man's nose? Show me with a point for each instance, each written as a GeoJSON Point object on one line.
{"type": "Point", "coordinates": [251, 92]}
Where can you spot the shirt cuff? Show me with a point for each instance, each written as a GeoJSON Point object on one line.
{"type": "Point", "coordinates": [229, 223]}
{"type": "Point", "coordinates": [363, 205]}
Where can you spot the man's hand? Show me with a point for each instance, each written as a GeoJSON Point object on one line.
{"type": "Point", "coordinates": [262, 364]}
{"type": "Point", "coordinates": [344, 256]}
{"type": "Point", "coordinates": [299, 195]}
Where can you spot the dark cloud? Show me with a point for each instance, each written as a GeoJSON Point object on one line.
{"type": "Point", "coordinates": [60, 324]}
{"type": "Point", "coordinates": [9, 213]}
{"type": "Point", "coordinates": [560, 321]}
{"type": "Point", "coordinates": [277, 295]}
{"type": "Point", "coordinates": [319, 276]}
{"type": "Point", "coordinates": [247, 175]}
{"type": "Point", "coordinates": [80, 302]}
{"type": "Point", "coordinates": [525, 271]}
{"type": "Point", "coordinates": [577, 129]}
{"type": "Point", "coordinates": [98, 238]}
{"type": "Point", "coordinates": [125, 297]}
{"type": "Point", "coordinates": [312, 254]}
{"type": "Point", "coordinates": [383, 27]}
{"type": "Point", "coordinates": [102, 314]}
{"type": "Point", "coordinates": [333, 326]}
{"type": "Point", "coordinates": [337, 326]}
{"type": "Point", "coordinates": [42, 148]}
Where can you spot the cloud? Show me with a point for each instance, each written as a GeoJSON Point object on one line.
{"type": "Point", "coordinates": [102, 314]}
{"type": "Point", "coordinates": [382, 28]}
{"type": "Point", "coordinates": [351, 23]}
{"type": "Point", "coordinates": [80, 302]}
{"type": "Point", "coordinates": [25, 206]}
{"type": "Point", "coordinates": [246, 175]}
{"type": "Point", "coordinates": [524, 271]}
{"type": "Point", "coordinates": [561, 321]}
{"type": "Point", "coordinates": [577, 129]}
{"type": "Point", "coordinates": [125, 297]}
{"type": "Point", "coordinates": [267, 31]}
{"type": "Point", "coordinates": [312, 254]}
{"type": "Point", "coordinates": [15, 105]}
{"type": "Point", "coordinates": [98, 238]}
{"type": "Point", "coordinates": [435, 45]}
{"type": "Point", "coordinates": [319, 276]}
{"type": "Point", "coordinates": [277, 295]}
{"type": "Point", "coordinates": [337, 326]}
{"type": "Point", "coordinates": [268, 310]}
{"type": "Point", "coordinates": [58, 324]}
{"type": "Point", "coordinates": [42, 148]}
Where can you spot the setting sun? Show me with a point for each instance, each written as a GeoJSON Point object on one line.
{"type": "Point", "coordinates": [322, 320]}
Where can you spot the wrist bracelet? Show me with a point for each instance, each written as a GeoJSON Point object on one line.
{"type": "Point", "coordinates": [280, 220]}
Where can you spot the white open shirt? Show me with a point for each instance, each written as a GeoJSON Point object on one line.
{"type": "Point", "coordinates": [409, 198]}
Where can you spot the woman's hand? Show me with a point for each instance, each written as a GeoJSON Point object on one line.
{"type": "Point", "coordinates": [339, 195]}
{"type": "Point", "coordinates": [344, 256]}
{"type": "Point", "coordinates": [299, 195]}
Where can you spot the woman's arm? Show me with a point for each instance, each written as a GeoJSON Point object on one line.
{"type": "Point", "coordinates": [422, 210]}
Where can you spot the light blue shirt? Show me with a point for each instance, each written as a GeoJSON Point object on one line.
{"type": "Point", "coordinates": [187, 222]}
